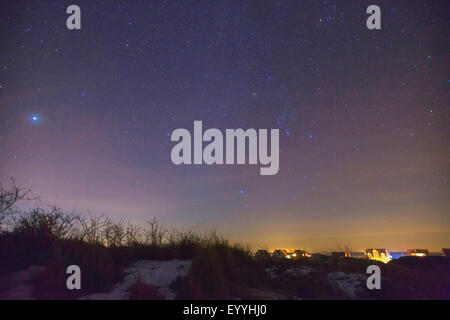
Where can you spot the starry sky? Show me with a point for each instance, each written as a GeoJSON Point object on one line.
{"type": "Point", "coordinates": [86, 116]}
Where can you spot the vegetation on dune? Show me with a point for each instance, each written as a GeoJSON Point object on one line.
{"type": "Point", "coordinates": [104, 248]}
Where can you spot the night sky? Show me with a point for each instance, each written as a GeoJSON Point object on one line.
{"type": "Point", "coordinates": [86, 116]}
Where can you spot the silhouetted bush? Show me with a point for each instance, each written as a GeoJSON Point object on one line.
{"type": "Point", "coordinates": [103, 248]}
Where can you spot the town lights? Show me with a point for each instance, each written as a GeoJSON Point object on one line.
{"type": "Point", "coordinates": [418, 254]}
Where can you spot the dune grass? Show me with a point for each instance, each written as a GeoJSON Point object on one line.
{"type": "Point", "coordinates": [103, 248]}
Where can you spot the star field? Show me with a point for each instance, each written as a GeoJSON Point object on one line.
{"type": "Point", "coordinates": [86, 116]}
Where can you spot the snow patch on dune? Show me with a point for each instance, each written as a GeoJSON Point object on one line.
{"type": "Point", "coordinates": [349, 283]}
{"type": "Point", "coordinates": [18, 283]}
{"type": "Point", "coordinates": [159, 274]}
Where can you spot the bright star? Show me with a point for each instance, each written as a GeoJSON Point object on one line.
{"type": "Point", "coordinates": [34, 118]}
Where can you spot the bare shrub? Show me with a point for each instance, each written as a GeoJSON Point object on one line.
{"type": "Point", "coordinates": [90, 229]}
{"type": "Point", "coordinates": [154, 233]}
{"type": "Point", "coordinates": [9, 198]}
{"type": "Point", "coordinates": [53, 223]}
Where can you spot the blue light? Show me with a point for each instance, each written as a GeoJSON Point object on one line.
{"type": "Point", "coordinates": [34, 118]}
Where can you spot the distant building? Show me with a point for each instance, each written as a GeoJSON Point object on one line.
{"type": "Point", "coordinates": [398, 254]}
{"type": "Point", "coordinates": [358, 255]}
{"type": "Point", "coordinates": [342, 254]}
{"type": "Point", "coordinates": [339, 254]}
{"type": "Point", "coordinates": [262, 254]}
{"type": "Point", "coordinates": [436, 254]}
{"type": "Point", "coordinates": [418, 252]}
{"type": "Point", "coordinates": [378, 255]}
{"type": "Point", "coordinates": [280, 253]}
{"type": "Point", "coordinates": [446, 252]}
{"type": "Point", "coordinates": [301, 254]}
